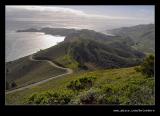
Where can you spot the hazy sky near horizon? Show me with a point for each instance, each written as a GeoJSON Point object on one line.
{"type": "Point", "coordinates": [113, 15]}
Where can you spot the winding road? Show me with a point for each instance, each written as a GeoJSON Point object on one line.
{"type": "Point", "coordinates": [69, 71]}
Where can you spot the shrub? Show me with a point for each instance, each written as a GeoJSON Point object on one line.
{"type": "Point", "coordinates": [137, 92]}
{"type": "Point", "coordinates": [39, 98]}
{"type": "Point", "coordinates": [109, 95]}
{"type": "Point", "coordinates": [31, 99]}
{"type": "Point", "coordinates": [107, 89]}
{"type": "Point", "coordinates": [10, 85]}
{"type": "Point", "coordinates": [13, 84]}
{"type": "Point", "coordinates": [89, 97]}
{"type": "Point", "coordinates": [82, 83]}
{"type": "Point", "coordinates": [62, 97]}
{"type": "Point", "coordinates": [82, 66]}
{"type": "Point", "coordinates": [109, 99]}
{"type": "Point", "coordinates": [50, 97]}
{"type": "Point", "coordinates": [147, 67]}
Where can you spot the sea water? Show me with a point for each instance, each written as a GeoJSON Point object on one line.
{"type": "Point", "coordinates": [20, 44]}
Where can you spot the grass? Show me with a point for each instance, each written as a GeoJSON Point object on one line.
{"type": "Point", "coordinates": [68, 61]}
{"type": "Point", "coordinates": [24, 71]}
{"type": "Point", "coordinates": [127, 86]}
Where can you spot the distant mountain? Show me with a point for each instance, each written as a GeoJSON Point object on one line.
{"type": "Point", "coordinates": [73, 34]}
{"type": "Point", "coordinates": [52, 31]}
{"type": "Point", "coordinates": [142, 35]}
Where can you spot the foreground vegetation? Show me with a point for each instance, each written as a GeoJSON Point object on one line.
{"type": "Point", "coordinates": [147, 67]}
{"type": "Point", "coordinates": [113, 86]}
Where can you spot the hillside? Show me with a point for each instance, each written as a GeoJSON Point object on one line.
{"type": "Point", "coordinates": [103, 72]}
{"type": "Point", "coordinates": [81, 50]}
{"type": "Point", "coordinates": [23, 71]}
{"type": "Point", "coordinates": [143, 36]}
{"type": "Point", "coordinates": [122, 86]}
{"type": "Point", "coordinates": [90, 49]}
{"type": "Point", "coordinates": [86, 53]}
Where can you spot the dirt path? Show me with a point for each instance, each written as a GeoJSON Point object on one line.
{"type": "Point", "coordinates": [69, 71]}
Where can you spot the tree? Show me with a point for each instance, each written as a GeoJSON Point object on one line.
{"type": "Point", "coordinates": [13, 84]}
{"type": "Point", "coordinates": [81, 83]}
{"type": "Point", "coordinates": [147, 67]}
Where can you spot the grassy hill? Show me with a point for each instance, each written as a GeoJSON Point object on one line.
{"type": "Point", "coordinates": [112, 86]}
{"type": "Point", "coordinates": [89, 54]}
{"type": "Point", "coordinates": [143, 36]}
{"type": "Point", "coordinates": [24, 71]}
{"type": "Point", "coordinates": [88, 49]}
{"type": "Point", "coordinates": [100, 73]}
{"type": "Point", "coordinates": [81, 50]}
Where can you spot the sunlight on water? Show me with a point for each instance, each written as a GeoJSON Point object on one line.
{"type": "Point", "coordinates": [49, 40]}
{"type": "Point", "coordinates": [26, 43]}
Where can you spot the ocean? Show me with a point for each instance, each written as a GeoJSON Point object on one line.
{"type": "Point", "coordinates": [20, 44]}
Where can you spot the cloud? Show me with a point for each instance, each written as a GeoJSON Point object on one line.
{"type": "Point", "coordinates": [65, 11]}
{"type": "Point", "coordinates": [45, 8]}
{"type": "Point", "coordinates": [113, 17]}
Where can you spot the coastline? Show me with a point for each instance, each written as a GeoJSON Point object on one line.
{"type": "Point", "coordinates": [18, 46]}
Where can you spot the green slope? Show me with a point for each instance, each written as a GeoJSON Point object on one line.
{"type": "Point", "coordinates": [85, 53]}
{"type": "Point", "coordinates": [88, 49]}
{"type": "Point", "coordinates": [143, 36]}
{"type": "Point", "coordinates": [81, 50]}
{"type": "Point", "coordinates": [24, 71]}
{"type": "Point", "coordinates": [112, 86]}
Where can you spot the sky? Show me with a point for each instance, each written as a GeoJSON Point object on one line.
{"type": "Point", "coordinates": [103, 15]}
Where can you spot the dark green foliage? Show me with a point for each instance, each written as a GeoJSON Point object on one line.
{"type": "Point", "coordinates": [13, 84]}
{"type": "Point", "coordinates": [109, 95]}
{"type": "Point", "coordinates": [89, 97]}
{"type": "Point", "coordinates": [50, 97]}
{"type": "Point", "coordinates": [147, 67]}
{"type": "Point", "coordinates": [105, 55]}
{"type": "Point", "coordinates": [82, 66]}
{"type": "Point", "coordinates": [10, 85]}
{"type": "Point", "coordinates": [134, 94]}
{"type": "Point", "coordinates": [82, 83]}
{"type": "Point", "coordinates": [127, 88]}
{"type": "Point", "coordinates": [104, 99]}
